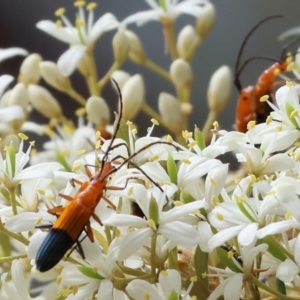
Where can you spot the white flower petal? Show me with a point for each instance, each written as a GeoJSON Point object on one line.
{"type": "Point", "coordinates": [11, 52]}
{"type": "Point", "coordinates": [125, 220]}
{"type": "Point", "coordinates": [248, 234]}
{"type": "Point", "coordinates": [69, 60]}
{"type": "Point", "coordinates": [138, 288]}
{"type": "Point", "coordinates": [275, 228]}
{"type": "Point", "coordinates": [232, 290]}
{"type": "Point", "coordinates": [133, 241]}
{"type": "Point", "coordinates": [287, 271]}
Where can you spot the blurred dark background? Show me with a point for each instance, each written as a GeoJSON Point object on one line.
{"type": "Point", "coordinates": [234, 20]}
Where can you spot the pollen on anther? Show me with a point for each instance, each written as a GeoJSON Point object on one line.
{"type": "Point", "coordinates": [169, 139]}
{"type": "Point", "coordinates": [220, 217]}
{"type": "Point", "coordinates": [251, 125]}
{"type": "Point", "coordinates": [91, 6]}
{"type": "Point", "coordinates": [32, 143]}
{"type": "Point", "coordinates": [74, 289]}
{"type": "Point", "coordinates": [80, 111]}
{"type": "Point", "coordinates": [294, 114]}
{"type": "Point", "coordinates": [216, 124]}
{"type": "Point", "coordinates": [38, 220]}
{"type": "Point", "coordinates": [59, 279]}
{"type": "Point", "coordinates": [194, 279]}
{"type": "Point", "coordinates": [60, 11]}
{"type": "Point", "coordinates": [269, 119]}
{"type": "Point", "coordinates": [153, 157]}
{"type": "Point", "coordinates": [155, 122]}
{"type": "Point", "coordinates": [80, 152]}
{"type": "Point", "coordinates": [22, 136]}
{"type": "Point", "coordinates": [186, 161]}
{"type": "Point", "coordinates": [290, 66]}
{"type": "Point", "coordinates": [79, 3]}
{"type": "Point", "coordinates": [58, 24]}
{"type": "Point", "coordinates": [134, 131]}
{"type": "Point", "coordinates": [264, 98]}
{"type": "Point", "coordinates": [192, 144]}
{"type": "Point", "coordinates": [289, 83]}
{"type": "Point", "coordinates": [288, 215]}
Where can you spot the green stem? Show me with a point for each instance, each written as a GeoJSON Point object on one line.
{"type": "Point", "coordinates": [93, 78]}
{"type": "Point", "coordinates": [77, 97]}
{"type": "Point", "coordinates": [13, 201]}
{"type": "Point", "coordinates": [157, 69]}
{"type": "Point", "coordinates": [13, 235]}
{"type": "Point", "coordinates": [210, 119]}
{"type": "Point", "coordinates": [261, 285]}
{"type": "Point", "coordinates": [153, 255]}
{"type": "Point", "coordinates": [101, 83]}
{"type": "Point", "coordinates": [12, 258]}
{"type": "Point", "coordinates": [280, 247]}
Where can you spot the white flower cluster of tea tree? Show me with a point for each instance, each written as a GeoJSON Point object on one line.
{"type": "Point", "coordinates": [181, 225]}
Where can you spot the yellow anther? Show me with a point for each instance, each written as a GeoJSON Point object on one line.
{"type": "Point", "coordinates": [252, 178]}
{"type": "Point", "coordinates": [289, 83]}
{"type": "Point", "coordinates": [177, 203]}
{"type": "Point", "coordinates": [98, 144]}
{"type": "Point", "coordinates": [32, 143]}
{"type": "Point", "coordinates": [38, 220]}
{"type": "Point", "coordinates": [270, 179]}
{"type": "Point", "coordinates": [294, 114]}
{"type": "Point", "coordinates": [80, 152]}
{"type": "Point", "coordinates": [74, 289]}
{"type": "Point", "coordinates": [277, 71]}
{"type": "Point", "coordinates": [204, 274]}
{"type": "Point", "coordinates": [76, 167]}
{"type": "Point", "coordinates": [288, 215]}
{"type": "Point", "coordinates": [53, 122]}
{"type": "Point", "coordinates": [216, 124]}
{"type": "Point", "coordinates": [188, 135]}
{"type": "Point", "coordinates": [59, 279]}
{"type": "Point", "coordinates": [220, 217]}
{"type": "Point", "coordinates": [60, 11]}
{"type": "Point", "coordinates": [279, 128]}
{"type": "Point", "coordinates": [22, 136]}
{"type": "Point", "coordinates": [67, 129]}
{"type": "Point", "coordinates": [230, 254]}
{"type": "Point", "coordinates": [213, 182]}
{"type": "Point", "coordinates": [95, 269]}
{"type": "Point", "coordinates": [58, 24]}
{"type": "Point", "coordinates": [153, 157]}
{"type": "Point", "coordinates": [237, 180]}
{"type": "Point", "coordinates": [291, 66]}
{"type": "Point", "coordinates": [134, 131]}
{"type": "Point", "coordinates": [269, 119]}
{"type": "Point", "coordinates": [264, 98]}
{"type": "Point", "coordinates": [195, 212]}
{"type": "Point", "coordinates": [33, 152]}
{"type": "Point", "coordinates": [169, 139]}
{"type": "Point", "coordinates": [164, 273]}
{"type": "Point", "coordinates": [147, 296]}
{"type": "Point", "coordinates": [289, 58]}
{"type": "Point", "coordinates": [50, 197]}
{"type": "Point", "coordinates": [151, 224]}
{"type": "Point", "coordinates": [271, 193]}
{"type": "Point", "coordinates": [41, 192]}
{"type": "Point", "coordinates": [184, 132]}
{"type": "Point", "coordinates": [128, 123]}
{"type": "Point", "coordinates": [240, 199]}
{"type": "Point", "coordinates": [130, 191]}
{"type": "Point", "coordinates": [194, 298]}
{"type": "Point", "coordinates": [80, 23]}
{"type": "Point", "coordinates": [297, 144]}
{"type": "Point", "coordinates": [98, 134]}
{"type": "Point", "coordinates": [79, 3]}
{"type": "Point", "coordinates": [215, 200]}
{"type": "Point", "coordinates": [91, 6]}
{"type": "Point", "coordinates": [186, 161]}
{"type": "Point", "coordinates": [154, 121]}
{"type": "Point", "coordinates": [166, 182]}
{"type": "Point", "coordinates": [80, 111]}
{"type": "Point", "coordinates": [251, 125]}
{"type": "Point", "coordinates": [194, 279]}
{"type": "Point", "coordinates": [192, 144]}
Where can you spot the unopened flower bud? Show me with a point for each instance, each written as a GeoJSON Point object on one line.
{"type": "Point", "coordinates": [136, 50]}
{"type": "Point", "coordinates": [219, 89]}
{"type": "Point", "coordinates": [53, 76]}
{"type": "Point", "coordinates": [133, 94]}
{"type": "Point", "coordinates": [120, 77]}
{"type": "Point", "coordinates": [97, 111]}
{"type": "Point", "coordinates": [170, 110]}
{"type": "Point", "coordinates": [187, 39]}
{"type": "Point", "coordinates": [205, 23]}
{"type": "Point", "coordinates": [120, 46]}
{"type": "Point", "coordinates": [181, 73]}
{"type": "Point", "coordinates": [44, 102]}
{"type": "Point", "coordinates": [18, 96]}
{"type": "Point", "coordinates": [30, 71]}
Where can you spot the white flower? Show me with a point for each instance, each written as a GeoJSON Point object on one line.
{"type": "Point", "coordinates": [81, 37]}
{"type": "Point", "coordinates": [17, 288]}
{"type": "Point", "coordinates": [169, 284]}
{"type": "Point", "coordinates": [167, 224]}
{"type": "Point", "coordinates": [167, 9]}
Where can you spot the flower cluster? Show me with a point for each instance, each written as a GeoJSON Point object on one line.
{"type": "Point", "coordinates": [129, 217]}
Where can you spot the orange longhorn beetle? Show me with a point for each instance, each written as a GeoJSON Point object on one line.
{"type": "Point", "coordinates": [75, 217]}
{"type": "Point", "coordinates": [249, 107]}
